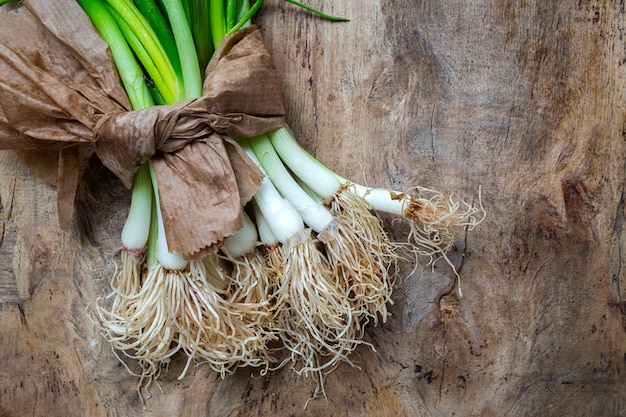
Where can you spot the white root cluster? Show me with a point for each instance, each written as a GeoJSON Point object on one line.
{"type": "Point", "coordinates": [361, 253]}
{"type": "Point", "coordinates": [303, 301]}
{"type": "Point", "coordinates": [435, 220]}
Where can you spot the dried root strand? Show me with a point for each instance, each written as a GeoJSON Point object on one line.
{"type": "Point", "coordinates": [252, 279]}
{"type": "Point", "coordinates": [146, 328]}
{"type": "Point", "coordinates": [234, 317]}
{"type": "Point", "coordinates": [436, 221]}
{"type": "Point", "coordinates": [190, 311]}
{"type": "Point", "coordinates": [317, 324]}
{"type": "Point", "coordinates": [360, 253]}
{"type": "Point", "coordinates": [125, 284]}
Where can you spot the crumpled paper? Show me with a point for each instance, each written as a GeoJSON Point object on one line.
{"type": "Point", "coordinates": [61, 101]}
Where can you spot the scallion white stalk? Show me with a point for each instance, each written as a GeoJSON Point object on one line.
{"type": "Point", "coordinates": [380, 199]}
{"type": "Point", "coordinates": [327, 183]}
{"type": "Point", "coordinates": [266, 234]}
{"type": "Point", "coordinates": [137, 227]}
{"type": "Point", "coordinates": [173, 261]}
{"type": "Point", "coordinates": [243, 241]}
{"type": "Point", "coordinates": [316, 216]}
{"type": "Point", "coordinates": [319, 179]}
{"type": "Point", "coordinates": [282, 217]}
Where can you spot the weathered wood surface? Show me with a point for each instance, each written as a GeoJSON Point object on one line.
{"type": "Point", "coordinates": [526, 99]}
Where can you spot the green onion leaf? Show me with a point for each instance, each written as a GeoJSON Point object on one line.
{"type": "Point", "coordinates": [217, 20]}
{"type": "Point", "coordinates": [148, 38]}
{"type": "Point", "coordinates": [129, 70]}
{"type": "Point", "coordinates": [244, 21]}
{"type": "Point", "coordinates": [201, 31]}
{"type": "Point", "coordinates": [186, 48]}
{"type": "Point", "coordinates": [317, 12]}
{"type": "Point", "coordinates": [162, 29]}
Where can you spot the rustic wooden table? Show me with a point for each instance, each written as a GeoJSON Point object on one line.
{"type": "Point", "coordinates": [524, 99]}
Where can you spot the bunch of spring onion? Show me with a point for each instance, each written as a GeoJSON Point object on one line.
{"type": "Point", "coordinates": [324, 265]}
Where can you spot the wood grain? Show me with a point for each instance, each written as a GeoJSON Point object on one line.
{"type": "Point", "coordinates": [524, 99]}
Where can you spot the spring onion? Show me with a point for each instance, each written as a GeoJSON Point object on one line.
{"type": "Point", "coordinates": [200, 29]}
{"type": "Point", "coordinates": [434, 220]}
{"type": "Point", "coordinates": [162, 30]}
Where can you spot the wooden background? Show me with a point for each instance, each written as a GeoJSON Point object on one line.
{"type": "Point", "coordinates": [525, 99]}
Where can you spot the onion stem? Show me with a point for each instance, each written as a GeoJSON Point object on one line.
{"type": "Point", "coordinates": [319, 13]}
{"type": "Point", "coordinates": [173, 261]}
{"type": "Point", "coordinates": [130, 72]}
{"type": "Point", "coordinates": [244, 18]}
{"type": "Point", "coordinates": [148, 38]}
{"type": "Point", "coordinates": [217, 21]}
{"type": "Point", "coordinates": [314, 214]}
{"type": "Point", "coordinates": [282, 217]}
{"type": "Point", "coordinates": [143, 55]}
{"type": "Point", "coordinates": [243, 241]}
{"type": "Point", "coordinates": [137, 227]}
{"type": "Point", "coordinates": [320, 180]}
{"type": "Point", "coordinates": [185, 45]}
{"type": "Point", "coordinates": [162, 30]}
{"type": "Point", "coordinates": [201, 31]}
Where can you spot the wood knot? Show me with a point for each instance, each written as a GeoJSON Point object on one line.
{"type": "Point", "coordinates": [449, 306]}
{"type": "Point", "coordinates": [578, 203]}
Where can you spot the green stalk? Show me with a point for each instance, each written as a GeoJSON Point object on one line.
{"type": "Point", "coordinates": [201, 31]}
{"type": "Point", "coordinates": [186, 48]}
{"type": "Point", "coordinates": [162, 29]}
{"type": "Point", "coordinates": [243, 6]}
{"type": "Point", "coordinates": [217, 21]}
{"type": "Point", "coordinates": [142, 54]}
{"type": "Point", "coordinates": [186, 8]}
{"type": "Point", "coordinates": [245, 20]}
{"type": "Point", "coordinates": [246, 12]}
{"type": "Point", "coordinates": [319, 13]}
{"type": "Point", "coordinates": [231, 13]}
{"type": "Point", "coordinates": [156, 94]}
{"type": "Point", "coordinates": [130, 72]}
{"type": "Point", "coordinates": [148, 38]}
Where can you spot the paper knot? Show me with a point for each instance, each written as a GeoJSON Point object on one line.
{"type": "Point", "coordinates": [63, 101]}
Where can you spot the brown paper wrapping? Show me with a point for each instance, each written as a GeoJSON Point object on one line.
{"type": "Point", "coordinates": [63, 102]}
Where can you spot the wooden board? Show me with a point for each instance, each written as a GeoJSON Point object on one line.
{"type": "Point", "coordinates": [523, 99]}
